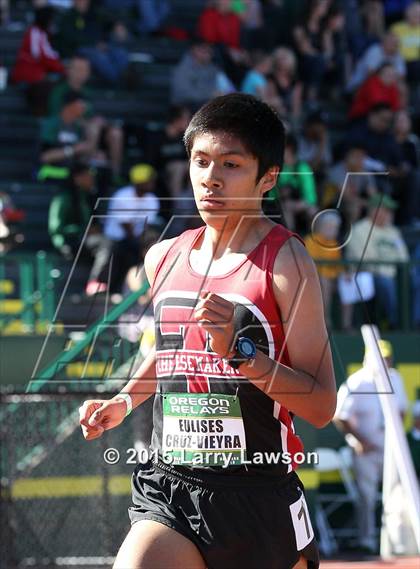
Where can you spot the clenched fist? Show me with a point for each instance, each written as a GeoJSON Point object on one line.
{"type": "Point", "coordinates": [216, 316]}
{"type": "Point", "coordinates": [99, 415]}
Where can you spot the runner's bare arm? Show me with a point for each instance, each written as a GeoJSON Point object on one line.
{"type": "Point", "coordinates": [99, 415]}
{"type": "Point", "coordinates": [307, 387]}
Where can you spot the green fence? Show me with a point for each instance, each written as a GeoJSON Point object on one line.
{"type": "Point", "coordinates": [35, 276]}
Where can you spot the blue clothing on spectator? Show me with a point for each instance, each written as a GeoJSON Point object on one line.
{"type": "Point", "coordinates": [152, 12]}
{"type": "Point", "coordinates": [253, 82]}
{"type": "Point", "coordinates": [109, 63]}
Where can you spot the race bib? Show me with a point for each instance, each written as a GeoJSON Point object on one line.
{"type": "Point", "coordinates": [203, 429]}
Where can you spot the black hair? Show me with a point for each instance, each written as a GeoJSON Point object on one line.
{"type": "Point", "coordinates": [380, 107]}
{"type": "Point", "coordinates": [254, 123]}
{"type": "Point", "coordinates": [71, 96]}
{"type": "Point", "coordinates": [78, 167]}
{"type": "Point", "coordinates": [44, 17]}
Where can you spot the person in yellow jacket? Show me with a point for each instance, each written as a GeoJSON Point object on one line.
{"type": "Point", "coordinates": [322, 245]}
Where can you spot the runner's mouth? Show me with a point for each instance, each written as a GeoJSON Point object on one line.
{"type": "Point", "coordinates": [211, 203]}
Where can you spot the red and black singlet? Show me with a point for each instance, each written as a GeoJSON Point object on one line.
{"type": "Point", "coordinates": [184, 361]}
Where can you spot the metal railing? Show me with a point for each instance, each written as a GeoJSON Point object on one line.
{"type": "Point", "coordinates": [36, 284]}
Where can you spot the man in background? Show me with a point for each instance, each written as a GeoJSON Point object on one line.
{"type": "Point", "coordinates": [130, 209]}
{"type": "Point", "coordinates": [359, 416]}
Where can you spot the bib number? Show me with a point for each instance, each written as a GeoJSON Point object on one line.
{"type": "Point", "coordinates": [302, 523]}
{"type": "Point", "coordinates": [203, 429]}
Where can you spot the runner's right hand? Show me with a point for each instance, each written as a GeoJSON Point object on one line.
{"type": "Point", "coordinates": [99, 415]}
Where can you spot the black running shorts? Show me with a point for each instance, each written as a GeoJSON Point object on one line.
{"type": "Point", "coordinates": [236, 521]}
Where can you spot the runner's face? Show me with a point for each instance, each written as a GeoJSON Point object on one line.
{"type": "Point", "coordinates": [224, 179]}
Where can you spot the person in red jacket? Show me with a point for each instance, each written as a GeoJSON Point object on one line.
{"type": "Point", "coordinates": [218, 24]}
{"type": "Point", "coordinates": [35, 60]}
{"type": "Point", "coordinates": [381, 87]}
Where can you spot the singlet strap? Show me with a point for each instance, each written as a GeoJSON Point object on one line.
{"type": "Point", "coordinates": [180, 245]}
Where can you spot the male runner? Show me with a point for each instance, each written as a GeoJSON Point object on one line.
{"type": "Point", "coordinates": [241, 347]}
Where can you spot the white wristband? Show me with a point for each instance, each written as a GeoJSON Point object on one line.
{"type": "Point", "coordinates": [128, 401]}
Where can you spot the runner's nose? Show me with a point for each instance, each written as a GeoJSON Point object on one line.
{"type": "Point", "coordinates": [211, 178]}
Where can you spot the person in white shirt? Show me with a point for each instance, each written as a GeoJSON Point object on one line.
{"type": "Point", "coordinates": [377, 238]}
{"type": "Point", "coordinates": [359, 416]}
{"type": "Point", "coordinates": [130, 210]}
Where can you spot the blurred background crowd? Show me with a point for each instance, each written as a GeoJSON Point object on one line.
{"type": "Point", "coordinates": [95, 97]}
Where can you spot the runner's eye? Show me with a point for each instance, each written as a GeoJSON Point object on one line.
{"type": "Point", "coordinates": [231, 165]}
{"type": "Point", "coordinates": [201, 162]}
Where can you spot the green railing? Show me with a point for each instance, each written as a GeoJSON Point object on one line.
{"type": "Point", "coordinates": [36, 284]}
{"type": "Point", "coordinates": [96, 330]}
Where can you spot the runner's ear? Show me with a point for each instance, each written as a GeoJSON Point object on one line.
{"type": "Point", "coordinates": [269, 179]}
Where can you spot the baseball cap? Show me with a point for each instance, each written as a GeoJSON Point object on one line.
{"type": "Point", "coordinates": [382, 200]}
{"type": "Point", "coordinates": [385, 348]}
{"type": "Point", "coordinates": [141, 173]}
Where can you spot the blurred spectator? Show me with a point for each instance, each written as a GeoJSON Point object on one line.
{"type": "Point", "coordinates": [196, 79]}
{"type": "Point", "coordinates": [35, 60]}
{"type": "Point", "coordinates": [10, 217]}
{"type": "Point", "coordinates": [77, 75]}
{"type": "Point", "coordinates": [415, 281]}
{"type": "Point", "coordinates": [407, 140]}
{"type": "Point", "coordinates": [408, 32]}
{"type": "Point", "coordinates": [376, 137]}
{"type": "Point", "coordinates": [4, 12]}
{"type": "Point", "coordinates": [152, 13]}
{"type": "Point", "coordinates": [317, 40]}
{"type": "Point", "coordinates": [394, 9]}
{"type": "Point", "coordinates": [82, 31]}
{"type": "Point", "coordinates": [348, 186]}
{"type": "Point", "coordinates": [386, 156]}
{"type": "Point", "coordinates": [322, 245]}
{"type": "Point", "coordinates": [255, 81]}
{"type": "Point", "coordinates": [98, 129]}
{"type": "Point", "coordinates": [387, 51]}
{"type": "Point", "coordinates": [295, 189]}
{"type": "Point", "coordinates": [376, 238]}
{"type": "Point", "coordinates": [130, 210]}
{"type": "Point", "coordinates": [413, 438]}
{"type": "Point", "coordinates": [284, 90]}
{"type": "Point", "coordinates": [314, 144]}
{"type": "Point", "coordinates": [381, 87]}
{"type": "Point", "coordinates": [373, 14]}
{"type": "Point", "coordinates": [359, 416]}
{"type": "Point", "coordinates": [71, 230]}
{"type": "Point", "coordinates": [407, 186]}
{"type": "Point", "coordinates": [70, 136]}
{"type": "Point", "coordinates": [219, 24]}
{"type": "Point", "coordinates": [279, 21]}
{"type": "Point", "coordinates": [63, 137]}
{"type": "Point", "coordinates": [364, 26]}
{"type": "Point", "coordinates": [251, 16]}
{"type": "Point", "coordinates": [165, 151]}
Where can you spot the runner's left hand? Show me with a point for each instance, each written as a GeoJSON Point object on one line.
{"type": "Point", "coordinates": [215, 315]}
